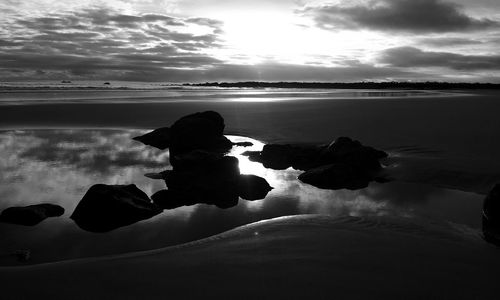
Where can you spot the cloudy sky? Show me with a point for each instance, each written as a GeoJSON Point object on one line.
{"type": "Point", "coordinates": [234, 40]}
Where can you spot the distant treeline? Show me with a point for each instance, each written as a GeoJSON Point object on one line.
{"type": "Point", "coordinates": [428, 85]}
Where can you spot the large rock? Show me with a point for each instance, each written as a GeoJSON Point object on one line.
{"type": "Point", "coordinates": [198, 131]}
{"type": "Point", "coordinates": [107, 207]}
{"type": "Point", "coordinates": [491, 216]}
{"type": "Point", "coordinates": [336, 176]}
{"type": "Point", "coordinates": [159, 138]}
{"type": "Point", "coordinates": [203, 130]}
{"type": "Point", "coordinates": [30, 215]}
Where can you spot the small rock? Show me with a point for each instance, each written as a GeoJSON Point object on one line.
{"type": "Point", "coordinates": [30, 215]}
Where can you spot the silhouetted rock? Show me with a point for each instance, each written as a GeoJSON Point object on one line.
{"type": "Point", "coordinates": [304, 157]}
{"type": "Point", "coordinates": [171, 199]}
{"type": "Point", "coordinates": [214, 181]}
{"type": "Point", "coordinates": [345, 150]}
{"type": "Point", "coordinates": [107, 207]}
{"type": "Point", "coordinates": [243, 144]}
{"type": "Point", "coordinates": [336, 176]}
{"type": "Point", "coordinates": [252, 187]}
{"type": "Point", "coordinates": [491, 216]}
{"type": "Point", "coordinates": [200, 160]}
{"type": "Point", "coordinates": [159, 138]}
{"type": "Point", "coordinates": [209, 178]}
{"type": "Point", "coordinates": [30, 215]}
{"type": "Point", "coordinates": [253, 155]}
{"type": "Point", "coordinates": [344, 163]}
{"type": "Point", "coordinates": [199, 131]}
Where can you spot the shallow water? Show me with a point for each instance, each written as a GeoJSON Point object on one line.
{"type": "Point", "coordinates": [59, 165]}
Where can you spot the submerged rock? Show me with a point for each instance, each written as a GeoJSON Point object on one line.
{"type": "Point", "coordinates": [30, 215]}
{"type": "Point", "coordinates": [159, 138]}
{"type": "Point", "coordinates": [491, 216]}
{"type": "Point", "coordinates": [107, 207]}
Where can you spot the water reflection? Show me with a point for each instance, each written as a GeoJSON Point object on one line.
{"type": "Point", "coordinates": [58, 166]}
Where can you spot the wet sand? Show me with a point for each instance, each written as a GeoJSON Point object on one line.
{"type": "Point", "coordinates": [456, 137]}
{"type": "Point", "coordinates": [292, 257]}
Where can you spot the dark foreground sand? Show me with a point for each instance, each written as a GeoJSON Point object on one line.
{"type": "Point", "coordinates": [305, 257]}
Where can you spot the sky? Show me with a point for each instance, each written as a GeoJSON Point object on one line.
{"type": "Point", "coordinates": [239, 40]}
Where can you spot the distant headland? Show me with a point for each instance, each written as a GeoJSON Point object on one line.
{"type": "Point", "coordinates": [427, 85]}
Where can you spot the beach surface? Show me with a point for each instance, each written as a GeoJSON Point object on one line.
{"type": "Point", "coordinates": [444, 141]}
{"type": "Point", "coordinates": [290, 257]}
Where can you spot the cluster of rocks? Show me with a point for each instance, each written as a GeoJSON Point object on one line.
{"type": "Point", "coordinates": [201, 173]}
{"type": "Point", "coordinates": [343, 164]}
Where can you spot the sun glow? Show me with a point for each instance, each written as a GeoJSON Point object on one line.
{"type": "Point", "coordinates": [258, 37]}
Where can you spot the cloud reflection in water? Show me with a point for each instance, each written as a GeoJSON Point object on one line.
{"type": "Point", "coordinates": [58, 166]}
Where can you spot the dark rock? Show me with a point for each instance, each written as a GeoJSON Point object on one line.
{"type": "Point", "coordinates": [253, 155]}
{"type": "Point", "coordinates": [304, 157]}
{"type": "Point", "coordinates": [107, 207]}
{"type": "Point", "coordinates": [171, 199]}
{"type": "Point", "coordinates": [252, 187]}
{"type": "Point", "coordinates": [213, 180]}
{"type": "Point", "coordinates": [198, 131]}
{"type": "Point", "coordinates": [159, 138]}
{"type": "Point", "coordinates": [203, 130]}
{"type": "Point", "coordinates": [491, 216]}
{"type": "Point", "coordinates": [198, 160]}
{"type": "Point", "coordinates": [346, 150]}
{"type": "Point", "coordinates": [336, 176]}
{"type": "Point", "coordinates": [243, 144]}
{"type": "Point", "coordinates": [205, 177]}
{"type": "Point", "coordinates": [30, 215]}
{"type": "Point", "coordinates": [344, 163]}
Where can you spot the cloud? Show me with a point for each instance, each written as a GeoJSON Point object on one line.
{"type": "Point", "coordinates": [409, 57]}
{"type": "Point", "coordinates": [105, 43]}
{"type": "Point", "coordinates": [417, 16]}
{"type": "Point", "coordinates": [448, 41]}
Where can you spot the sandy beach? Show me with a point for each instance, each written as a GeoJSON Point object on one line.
{"type": "Point", "coordinates": [291, 257]}
{"type": "Point", "coordinates": [447, 143]}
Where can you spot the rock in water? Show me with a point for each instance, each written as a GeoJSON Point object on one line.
{"type": "Point", "coordinates": [199, 131]}
{"type": "Point", "coordinates": [491, 216]}
{"type": "Point", "coordinates": [159, 138]}
{"type": "Point", "coordinates": [107, 207]}
{"type": "Point", "coordinates": [252, 187]}
{"type": "Point", "coordinates": [30, 215]}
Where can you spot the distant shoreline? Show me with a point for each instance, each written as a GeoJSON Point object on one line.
{"type": "Point", "coordinates": [352, 85]}
{"type": "Point", "coordinates": [111, 86]}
